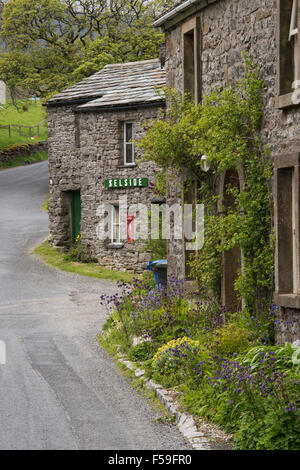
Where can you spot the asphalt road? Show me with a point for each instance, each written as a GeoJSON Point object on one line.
{"type": "Point", "coordinates": [59, 389]}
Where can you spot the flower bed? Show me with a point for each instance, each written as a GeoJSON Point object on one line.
{"type": "Point", "coordinates": [223, 367]}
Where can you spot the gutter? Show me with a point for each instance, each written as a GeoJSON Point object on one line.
{"type": "Point", "coordinates": [78, 101]}
{"type": "Point", "coordinates": [128, 107]}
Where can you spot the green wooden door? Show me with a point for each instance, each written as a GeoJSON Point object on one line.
{"type": "Point", "coordinates": [76, 214]}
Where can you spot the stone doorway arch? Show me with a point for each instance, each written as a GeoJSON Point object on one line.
{"type": "Point", "coordinates": [231, 259]}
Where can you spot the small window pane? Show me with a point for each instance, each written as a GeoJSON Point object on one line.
{"type": "Point", "coordinates": [128, 132]}
{"type": "Point", "coordinates": [129, 153]}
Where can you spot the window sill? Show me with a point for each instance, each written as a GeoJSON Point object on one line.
{"type": "Point", "coordinates": [287, 300]}
{"type": "Point", "coordinates": [116, 246]}
{"type": "Point", "coordinates": [130, 165]}
{"type": "Point", "coordinates": [286, 101]}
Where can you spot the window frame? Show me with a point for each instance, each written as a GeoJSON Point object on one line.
{"type": "Point", "coordinates": [287, 75]}
{"type": "Point", "coordinates": [287, 284]}
{"type": "Point", "coordinates": [192, 28]}
{"type": "Point", "coordinates": [125, 143]}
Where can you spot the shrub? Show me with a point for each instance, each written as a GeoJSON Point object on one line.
{"type": "Point", "coordinates": [80, 252]}
{"type": "Point", "coordinates": [229, 340]}
{"type": "Point", "coordinates": [141, 352]}
{"type": "Point", "coordinates": [159, 314]}
{"type": "Point", "coordinates": [279, 432]}
{"type": "Point", "coordinates": [177, 361]}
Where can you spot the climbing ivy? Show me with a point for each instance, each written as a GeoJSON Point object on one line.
{"type": "Point", "coordinates": [226, 128]}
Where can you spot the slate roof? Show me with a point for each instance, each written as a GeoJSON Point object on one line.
{"type": "Point", "coordinates": [116, 85]}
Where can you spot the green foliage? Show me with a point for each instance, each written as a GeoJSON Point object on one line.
{"type": "Point", "coordinates": [225, 127]}
{"type": "Point", "coordinates": [52, 44]}
{"type": "Point", "coordinates": [284, 356]}
{"type": "Point", "coordinates": [281, 432]}
{"type": "Point", "coordinates": [176, 361]}
{"type": "Point", "coordinates": [46, 204]}
{"type": "Point", "coordinates": [80, 252]}
{"type": "Point", "coordinates": [141, 352]}
{"type": "Point", "coordinates": [252, 392]}
{"type": "Point", "coordinates": [230, 340]}
{"type": "Point", "coordinates": [169, 140]}
{"type": "Point", "coordinates": [158, 248]}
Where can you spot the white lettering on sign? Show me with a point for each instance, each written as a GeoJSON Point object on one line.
{"type": "Point", "coordinates": [125, 182]}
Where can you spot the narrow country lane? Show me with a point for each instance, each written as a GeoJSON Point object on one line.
{"type": "Point", "coordinates": [58, 389]}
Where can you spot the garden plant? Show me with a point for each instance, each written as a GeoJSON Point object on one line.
{"type": "Point", "coordinates": [224, 366]}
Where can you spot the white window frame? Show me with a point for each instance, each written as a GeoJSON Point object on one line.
{"type": "Point", "coordinates": [293, 36]}
{"type": "Point", "coordinates": [129, 143]}
{"type": "Point", "coordinates": [115, 223]}
{"type": "Point", "coordinates": [294, 20]}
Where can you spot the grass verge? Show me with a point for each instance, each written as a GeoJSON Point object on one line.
{"type": "Point", "coordinates": [21, 160]}
{"type": "Point", "coordinates": [45, 206]}
{"type": "Point", "coordinates": [50, 256]}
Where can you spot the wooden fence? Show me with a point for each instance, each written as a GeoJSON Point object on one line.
{"type": "Point", "coordinates": [37, 127]}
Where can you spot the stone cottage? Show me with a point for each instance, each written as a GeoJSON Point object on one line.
{"type": "Point", "coordinates": [204, 42]}
{"type": "Point", "coordinates": [94, 161]}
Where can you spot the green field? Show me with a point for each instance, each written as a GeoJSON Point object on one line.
{"type": "Point", "coordinates": [10, 114]}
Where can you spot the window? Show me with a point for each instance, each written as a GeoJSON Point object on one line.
{"type": "Point", "coordinates": [191, 59]}
{"type": "Point", "coordinates": [115, 231]}
{"type": "Point", "coordinates": [128, 144]}
{"type": "Point", "coordinates": [287, 202]}
{"type": "Point", "coordinates": [189, 197]}
{"type": "Point", "coordinates": [289, 49]}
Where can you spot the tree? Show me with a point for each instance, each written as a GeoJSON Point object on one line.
{"type": "Point", "coordinates": [53, 43]}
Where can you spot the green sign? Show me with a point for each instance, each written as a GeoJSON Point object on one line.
{"type": "Point", "coordinates": [126, 183]}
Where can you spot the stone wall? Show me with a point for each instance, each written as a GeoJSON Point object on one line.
{"type": "Point", "coordinates": [23, 150]}
{"type": "Point", "coordinates": [229, 27]}
{"type": "Point", "coordinates": [99, 157]}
